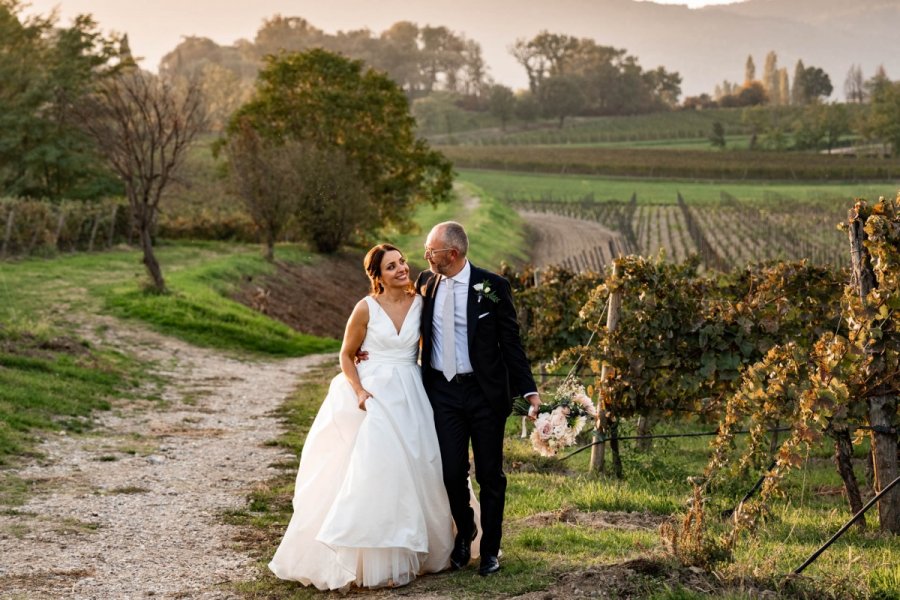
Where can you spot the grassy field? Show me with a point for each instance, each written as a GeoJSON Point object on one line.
{"type": "Point", "coordinates": [561, 520]}
{"type": "Point", "coordinates": [506, 185]}
{"type": "Point", "coordinates": [729, 165]}
{"type": "Point", "coordinates": [50, 379]}
{"type": "Point", "coordinates": [495, 230]}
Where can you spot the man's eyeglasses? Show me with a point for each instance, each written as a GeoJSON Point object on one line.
{"type": "Point", "coordinates": [429, 252]}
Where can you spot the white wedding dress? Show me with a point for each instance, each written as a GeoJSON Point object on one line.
{"type": "Point", "coordinates": [370, 506]}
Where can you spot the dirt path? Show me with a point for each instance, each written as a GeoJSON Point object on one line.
{"type": "Point", "coordinates": [575, 243]}
{"type": "Point", "coordinates": [134, 509]}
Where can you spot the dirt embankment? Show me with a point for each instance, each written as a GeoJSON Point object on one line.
{"type": "Point", "coordinates": [314, 299]}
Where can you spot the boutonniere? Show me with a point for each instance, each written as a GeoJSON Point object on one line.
{"type": "Point", "coordinates": [484, 291]}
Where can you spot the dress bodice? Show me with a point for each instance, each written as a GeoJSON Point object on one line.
{"type": "Point", "coordinates": [384, 343]}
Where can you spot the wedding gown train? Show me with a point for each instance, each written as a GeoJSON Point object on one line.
{"type": "Point", "coordinates": [370, 506]}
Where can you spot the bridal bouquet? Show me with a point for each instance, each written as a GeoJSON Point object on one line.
{"type": "Point", "coordinates": [559, 423]}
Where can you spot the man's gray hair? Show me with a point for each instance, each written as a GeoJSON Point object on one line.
{"type": "Point", "coordinates": [454, 236]}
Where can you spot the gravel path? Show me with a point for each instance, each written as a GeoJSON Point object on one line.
{"type": "Point", "coordinates": [557, 238]}
{"type": "Point", "coordinates": [134, 508]}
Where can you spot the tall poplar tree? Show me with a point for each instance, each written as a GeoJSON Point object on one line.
{"type": "Point", "coordinates": [770, 77]}
{"type": "Point", "coordinates": [798, 93]}
{"type": "Point", "coordinates": [749, 71]}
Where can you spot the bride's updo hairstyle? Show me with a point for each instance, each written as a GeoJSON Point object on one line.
{"type": "Point", "coordinates": [372, 264]}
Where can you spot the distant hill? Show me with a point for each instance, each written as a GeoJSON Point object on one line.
{"type": "Point", "coordinates": [705, 45]}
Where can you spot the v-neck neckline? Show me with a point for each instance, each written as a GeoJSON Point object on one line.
{"type": "Point", "coordinates": [397, 332]}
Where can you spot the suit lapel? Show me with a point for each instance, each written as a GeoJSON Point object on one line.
{"type": "Point", "coordinates": [472, 306]}
{"type": "Point", "coordinates": [430, 293]}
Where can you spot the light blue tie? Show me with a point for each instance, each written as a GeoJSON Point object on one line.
{"type": "Point", "coordinates": [448, 332]}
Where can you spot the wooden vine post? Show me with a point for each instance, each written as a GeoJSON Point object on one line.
{"type": "Point", "coordinates": [882, 405]}
{"type": "Point", "coordinates": [598, 451]}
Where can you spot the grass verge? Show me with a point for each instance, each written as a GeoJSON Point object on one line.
{"type": "Point", "coordinates": [565, 529]}
{"type": "Point", "coordinates": [55, 384]}
{"type": "Point", "coordinates": [198, 310]}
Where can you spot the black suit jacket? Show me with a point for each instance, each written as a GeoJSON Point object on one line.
{"type": "Point", "coordinates": [495, 347]}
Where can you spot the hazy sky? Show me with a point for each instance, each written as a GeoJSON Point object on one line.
{"type": "Point", "coordinates": [155, 27]}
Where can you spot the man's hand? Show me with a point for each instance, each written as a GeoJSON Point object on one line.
{"type": "Point", "coordinates": [535, 401]}
{"type": "Point", "coordinates": [361, 355]}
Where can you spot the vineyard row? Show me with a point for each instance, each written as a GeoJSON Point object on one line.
{"type": "Point", "coordinates": [726, 235]}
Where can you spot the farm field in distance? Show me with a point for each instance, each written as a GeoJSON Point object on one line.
{"type": "Point", "coordinates": [726, 224]}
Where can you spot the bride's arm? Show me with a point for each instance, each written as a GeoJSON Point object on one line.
{"type": "Point", "coordinates": [354, 335]}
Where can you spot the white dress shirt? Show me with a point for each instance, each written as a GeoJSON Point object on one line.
{"type": "Point", "coordinates": [461, 298]}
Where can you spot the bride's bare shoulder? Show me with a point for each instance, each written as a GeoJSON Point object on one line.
{"type": "Point", "coordinates": [361, 310]}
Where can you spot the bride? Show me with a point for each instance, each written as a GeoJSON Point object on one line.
{"type": "Point", "coordinates": [370, 506]}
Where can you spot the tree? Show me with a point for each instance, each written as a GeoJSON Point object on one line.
{"type": "Point", "coordinates": [665, 86]}
{"type": "Point", "coordinates": [877, 82]}
{"type": "Point", "coordinates": [527, 106]}
{"type": "Point", "coordinates": [784, 87]}
{"type": "Point", "coordinates": [333, 103]}
{"type": "Point", "coordinates": [798, 92]}
{"type": "Point", "coordinates": [45, 71]}
{"type": "Point", "coordinates": [562, 96]}
{"type": "Point", "coordinates": [855, 85]}
{"type": "Point", "coordinates": [884, 117]}
{"type": "Point", "coordinates": [265, 178]}
{"type": "Point", "coordinates": [502, 103]}
{"type": "Point", "coordinates": [333, 204]}
{"type": "Point", "coordinates": [770, 77]}
{"type": "Point", "coordinates": [821, 124]}
{"type": "Point", "coordinates": [143, 127]}
{"type": "Point", "coordinates": [752, 95]}
{"type": "Point", "coordinates": [717, 137]}
{"type": "Point", "coordinates": [836, 123]}
{"type": "Point", "coordinates": [749, 71]}
{"type": "Point", "coordinates": [612, 82]}
{"type": "Point", "coordinates": [815, 84]}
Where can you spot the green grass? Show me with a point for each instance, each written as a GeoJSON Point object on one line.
{"type": "Point", "coordinates": [196, 310]}
{"type": "Point", "coordinates": [49, 381]}
{"type": "Point", "coordinates": [549, 531]}
{"type": "Point", "coordinates": [46, 293]}
{"type": "Point", "coordinates": [496, 232]}
{"type": "Point", "coordinates": [41, 390]}
{"type": "Point", "coordinates": [520, 186]}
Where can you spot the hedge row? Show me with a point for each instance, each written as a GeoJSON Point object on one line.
{"type": "Point", "coordinates": [34, 227]}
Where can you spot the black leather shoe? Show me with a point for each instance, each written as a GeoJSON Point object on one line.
{"type": "Point", "coordinates": [462, 550]}
{"type": "Point", "coordinates": [489, 565]}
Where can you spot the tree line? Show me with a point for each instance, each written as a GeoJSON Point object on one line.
{"type": "Point", "coordinates": [421, 60]}
{"type": "Point", "coordinates": [567, 75]}
{"type": "Point", "coordinates": [814, 123]}
{"type": "Point", "coordinates": [323, 143]}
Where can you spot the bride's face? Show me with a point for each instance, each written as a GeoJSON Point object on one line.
{"type": "Point", "coordinates": [394, 270]}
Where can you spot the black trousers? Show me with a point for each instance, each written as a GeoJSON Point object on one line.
{"type": "Point", "coordinates": [461, 414]}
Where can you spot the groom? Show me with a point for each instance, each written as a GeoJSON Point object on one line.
{"type": "Point", "coordinates": [473, 364]}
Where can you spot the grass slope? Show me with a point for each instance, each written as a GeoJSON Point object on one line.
{"type": "Point", "coordinates": [496, 232]}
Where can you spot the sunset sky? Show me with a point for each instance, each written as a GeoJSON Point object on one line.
{"type": "Point", "coordinates": [154, 28]}
{"type": "Point", "coordinates": [158, 26]}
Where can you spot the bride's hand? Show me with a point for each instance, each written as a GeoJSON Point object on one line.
{"type": "Point", "coordinates": [361, 397]}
